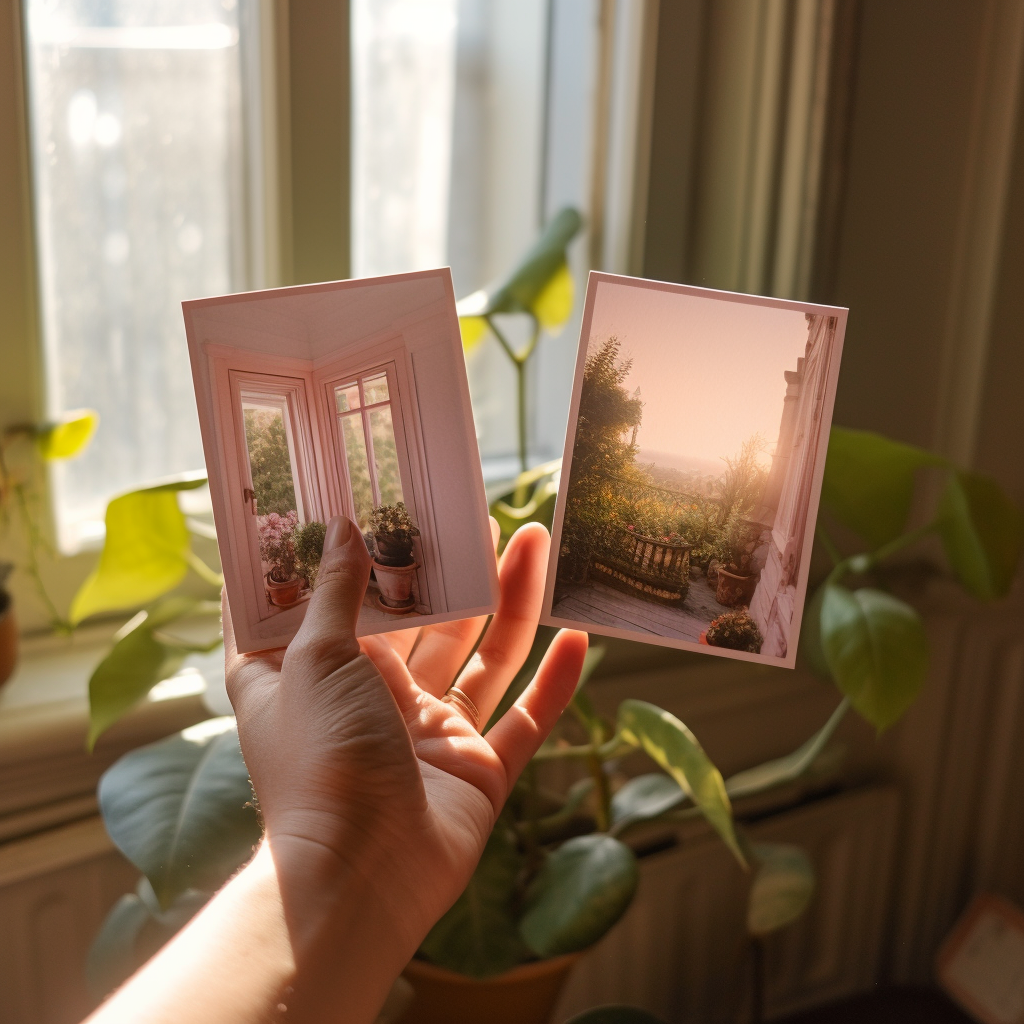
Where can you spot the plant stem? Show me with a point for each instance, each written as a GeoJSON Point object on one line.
{"type": "Point", "coordinates": [201, 569]}
{"type": "Point", "coordinates": [35, 541]}
{"type": "Point", "coordinates": [615, 747]}
{"type": "Point", "coordinates": [519, 360]}
{"type": "Point", "coordinates": [603, 808]}
{"type": "Point", "coordinates": [863, 562]}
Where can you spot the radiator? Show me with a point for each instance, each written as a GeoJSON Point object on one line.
{"type": "Point", "coordinates": [680, 951]}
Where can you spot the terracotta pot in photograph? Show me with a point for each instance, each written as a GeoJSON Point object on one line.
{"type": "Point", "coordinates": [395, 581]}
{"type": "Point", "coordinates": [283, 594]}
{"type": "Point", "coordinates": [8, 638]}
{"type": "Point", "coordinates": [734, 590]}
{"type": "Point", "coordinates": [524, 995]}
{"type": "Point", "coordinates": [704, 638]}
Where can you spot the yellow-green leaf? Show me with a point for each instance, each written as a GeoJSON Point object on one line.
{"type": "Point", "coordinates": [473, 329]}
{"type": "Point", "coordinates": [144, 555]}
{"type": "Point", "coordinates": [553, 306]}
{"type": "Point", "coordinates": [68, 436]}
{"type": "Point", "coordinates": [671, 745]}
{"type": "Point", "coordinates": [782, 887]}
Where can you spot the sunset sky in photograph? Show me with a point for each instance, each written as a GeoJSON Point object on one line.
{"type": "Point", "coordinates": [710, 371]}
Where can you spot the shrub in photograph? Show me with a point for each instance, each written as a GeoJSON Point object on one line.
{"type": "Point", "coordinates": [737, 631]}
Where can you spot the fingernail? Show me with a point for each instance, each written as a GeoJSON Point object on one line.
{"type": "Point", "coordinates": [339, 529]}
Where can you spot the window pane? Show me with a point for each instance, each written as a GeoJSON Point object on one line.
{"type": "Point", "coordinates": [269, 459]}
{"type": "Point", "coordinates": [347, 397]}
{"type": "Point", "coordinates": [375, 388]}
{"type": "Point", "coordinates": [358, 468]}
{"type": "Point", "coordinates": [136, 126]}
{"type": "Point", "coordinates": [385, 456]}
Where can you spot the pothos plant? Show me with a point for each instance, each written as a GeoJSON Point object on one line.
{"type": "Point", "coordinates": [559, 869]}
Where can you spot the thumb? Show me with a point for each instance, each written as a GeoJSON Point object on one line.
{"type": "Point", "coordinates": [327, 637]}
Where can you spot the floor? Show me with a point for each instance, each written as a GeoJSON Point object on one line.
{"type": "Point", "coordinates": [603, 606]}
{"type": "Point", "coordinates": [892, 1006]}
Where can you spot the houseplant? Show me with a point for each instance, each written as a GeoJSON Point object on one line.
{"type": "Point", "coordinates": [309, 547]}
{"type": "Point", "coordinates": [735, 630]}
{"type": "Point", "coordinates": [20, 448]}
{"type": "Point", "coordinates": [394, 566]}
{"type": "Point", "coordinates": [277, 549]}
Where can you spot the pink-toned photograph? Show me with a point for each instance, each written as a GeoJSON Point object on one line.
{"type": "Point", "coordinates": [692, 468]}
{"type": "Point", "coordinates": [351, 399]}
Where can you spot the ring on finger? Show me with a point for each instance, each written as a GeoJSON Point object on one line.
{"type": "Point", "coordinates": [457, 697]}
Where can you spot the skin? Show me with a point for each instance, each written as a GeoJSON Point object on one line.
{"type": "Point", "coordinates": [377, 798]}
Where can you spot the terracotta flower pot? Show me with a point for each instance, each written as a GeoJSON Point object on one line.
{"type": "Point", "coordinates": [704, 638]}
{"type": "Point", "coordinates": [8, 638]}
{"type": "Point", "coordinates": [283, 594]}
{"type": "Point", "coordinates": [524, 995]}
{"type": "Point", "coordinates": [395, 582]}
{"type": "Point", "coordinates": [733, 590]}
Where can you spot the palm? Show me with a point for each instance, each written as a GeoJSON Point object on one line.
{"type": "Point", "coordinates": [397, 756]}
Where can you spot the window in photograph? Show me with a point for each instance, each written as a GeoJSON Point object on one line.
{"type": "Point", "coordinates": [138, 114]}
{"type": "Point", "coordinates": [371, 452]}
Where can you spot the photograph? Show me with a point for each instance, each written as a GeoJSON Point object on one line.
{"type": "Point", "coordinates": [351, 399]}
{"type": "Point", "coordinates": [692, 468]}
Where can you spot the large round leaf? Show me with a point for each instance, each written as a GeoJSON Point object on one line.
{"type": "Point", "coordinates": [671, 744]}
{"type": "Point", "coordinates": [181, 809]}
{"type": "Point", "coordinates": [645, 797]}
{"type": "Point", "coordinates": [583, 888]}
{"type": "Point", "coordinates": [782, 887]}
{"type": "Point", "coordinates": [478, 935]}
{"type": "Point", "coordinates": [868, 483]}
{"type": "Point", "coordinates": [877, 651]}
{"type": "Point", "coordinates": [982, 534]}
{"type": "Point", "coordinates": [810, 651]}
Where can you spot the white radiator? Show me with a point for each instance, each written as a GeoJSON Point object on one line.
{"type": "Point", "coordinates": [680, 951]}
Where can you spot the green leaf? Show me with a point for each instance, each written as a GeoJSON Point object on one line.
{"type": "Point", "coordinates": [520, 291]}
{"type": "Point", "coordinates": [982, 533]}
{"type": "Point", "coordinates": [553, 306]}
{"type": "Point", "coordinates": [132, 932]}
{"type": "Point", "coordinates": [810, 651]}
{"type": "Point", "coordinates": [145, 553]}
{"type": "Point", "coordinates": [135, 664]}
{"type": "Point", "coordinates": [615, 1015]}
{"type": "Point", "coordinates": [671, 745]}
{"type": "Point", "coordinates": [181, 809]}
{"type": "Point", "coordinates": [782, 888]}
{"type": "Point", "coordinates": [583, 888]}
{"type": "Point", "coordinates": [68, 436]}
{"type": "Point", "coordinates": [478, 935]}
{"type": "Point", "coordinates": [869, 482]}
{"type": "Point", "coordinates": [877, 651]}
{"type": "Point", "coordinates": [785, 769]}
{"type": "Point", "coordinates": [643, 798]}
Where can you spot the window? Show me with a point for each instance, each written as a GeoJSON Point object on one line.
{"type": "Point", "coordinates": [472, 125]}
{"type": "Point", "coordinates": [143, 197]}
{"type": "Point", "coordinates": [367, 429]}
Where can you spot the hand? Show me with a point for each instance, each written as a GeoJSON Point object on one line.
{"type": "Point", "coordinates": [369, 783]}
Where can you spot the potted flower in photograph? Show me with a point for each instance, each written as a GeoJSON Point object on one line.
{"type": "Point", "coordinates": [739, 572]}
{"type": "Point", "coordinates": [277, 550]}
{"type": "Point", "coordinates": [736, 631]}
{"type": "Point", "coordinates": [309, 548]}
{"type": "Point", "coordinates": [394, 565]}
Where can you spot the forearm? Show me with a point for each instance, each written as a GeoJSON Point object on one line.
{"type": "Point", "coordinates": [259, 947]}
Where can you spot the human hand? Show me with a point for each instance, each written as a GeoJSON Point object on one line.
{"type": "Point", "coordinates": [373, 789]}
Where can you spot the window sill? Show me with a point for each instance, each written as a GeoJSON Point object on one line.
{"type": "Point", "coordinates": [46, 775]}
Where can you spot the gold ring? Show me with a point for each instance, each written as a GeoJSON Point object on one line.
{"type": "Point", "coordinates": [464, 704]}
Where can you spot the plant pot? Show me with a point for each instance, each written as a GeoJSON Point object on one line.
{"type": "Point", "coordinates": [395, 582]}
{"type": "Point", "coordinates": [734, 590]}
{"type": "Point", "coordinates": [704, 638]}
{"type": "Point", "coordinates": [283, 594]}
{"type": "Point", "coordinates": [393, 552]}
{"type": "Point", "coordinates": [8, 638]}
{"type": "Point", "coordinates": [524, 995]}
